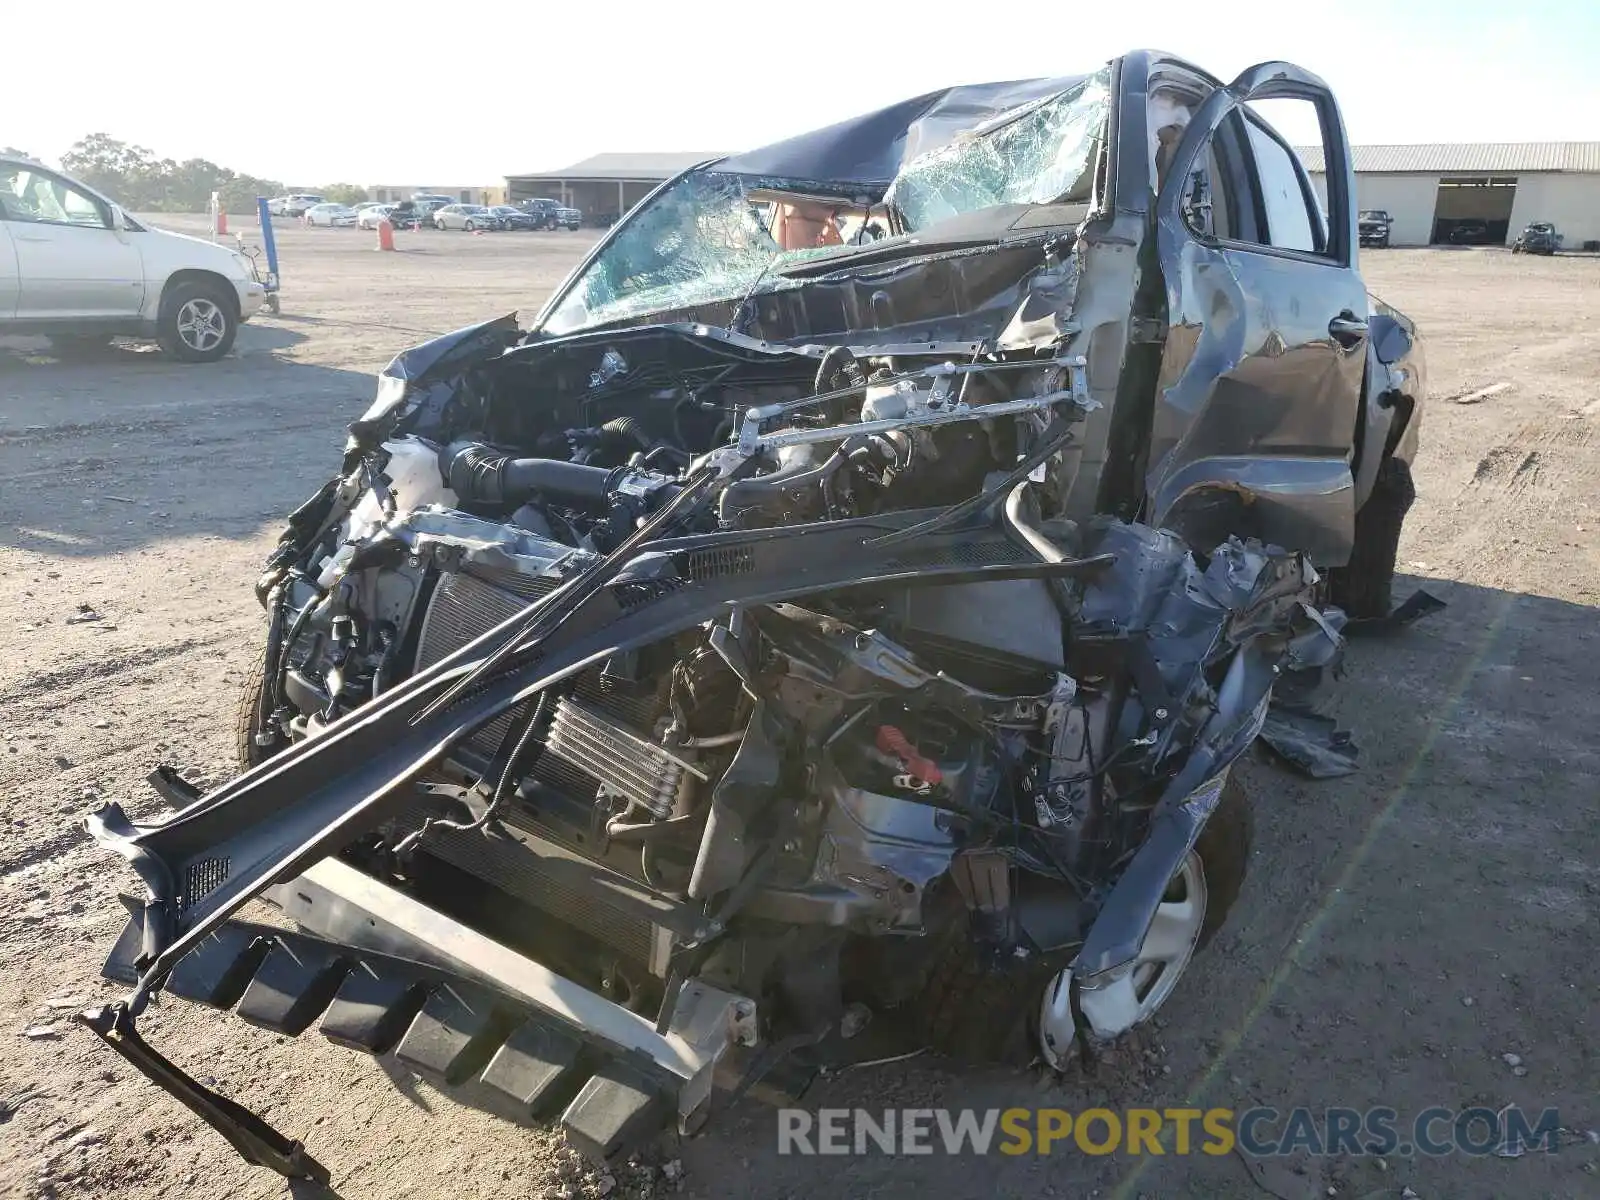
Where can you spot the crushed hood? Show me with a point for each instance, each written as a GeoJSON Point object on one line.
{"type": "Point", "coordinates": [861, 156]}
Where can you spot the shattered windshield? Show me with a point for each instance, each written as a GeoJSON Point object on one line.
{"type": "Point", "coordinates": [1041, 153]}
{"type": "Point", "coordinates": [701, 239]}
{"type": "Point", "coordinates": [713, 235]}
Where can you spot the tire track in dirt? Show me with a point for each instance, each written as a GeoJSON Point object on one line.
{"type": "Point", "coordinates": [1532, 491]}
{"type": "Point", "coordinates": [64, 688]}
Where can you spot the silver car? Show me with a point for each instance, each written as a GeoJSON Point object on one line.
{"type": "Point", "coordinates": [465, 216]}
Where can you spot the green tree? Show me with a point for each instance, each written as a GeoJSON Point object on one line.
{"type": "Point", "coordinates": [344, 193]}
{"type": "Point", "coordinates": [129, 174]}
{"type": "Point", "coordinates": [136, 178]}
{"type": "Point", "coordinates": [15, 153]}
{"type": "Point", "coordinates": [239, 193]}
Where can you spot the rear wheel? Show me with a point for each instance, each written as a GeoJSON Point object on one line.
{"type": "Point", "coordinates": [1004, 1017]}
{"type": "Point", "coordinates": [197, 322]}
{"type": "Point", "coordinates": [1364, 587]}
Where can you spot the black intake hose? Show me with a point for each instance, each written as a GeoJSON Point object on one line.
{"type": "Point", "coordinates": [623, 435]}
{"type": "Point", "coordinates": [479, 474]}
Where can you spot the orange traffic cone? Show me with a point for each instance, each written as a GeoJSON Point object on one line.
{"type": "Point", "coordinates": [385, 234]}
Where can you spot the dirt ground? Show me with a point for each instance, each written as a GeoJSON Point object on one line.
{"type": "Point", "coordinates": [1402, 930]}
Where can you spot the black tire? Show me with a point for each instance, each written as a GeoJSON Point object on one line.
{"type": "Point", "coordinates": [983, 1017]}
{"type": "Point", "coordinates": [991, 1018]}
{"type": "Point", "coordinates": [1364, 587]}
{"type": "Point", "coordinates": [183, 300]}
{"type": "Point", "coordinates": [468, 225]}
{"type": "Point", "coordinates": [251, 716]}
{"type": "Point", "coordinates": [1224, 849]}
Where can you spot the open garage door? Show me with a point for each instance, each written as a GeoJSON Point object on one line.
{"type": "Point", "coordinates": [1474, 210]}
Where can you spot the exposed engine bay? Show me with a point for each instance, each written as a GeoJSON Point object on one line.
{"type": "Point", "coordinates": [454, 533]}
{"type": "Point", "coordinates": [982, 751]}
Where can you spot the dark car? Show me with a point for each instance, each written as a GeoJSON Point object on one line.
{"type": "Point", "coordinates": [1469, 233]}
{"type": "Point", "coordinates": [406, 215]}
{"type": "Point", "coordinates": [511, 217]}
{"type": "Point", "coordinates": [1374, 225]}
{"type": "Point", "coordinates": [545, 212]}
{"type": "Point", "coordinates": [1540, 237]}
{"type": "Point", "coordinates": [784, 634]}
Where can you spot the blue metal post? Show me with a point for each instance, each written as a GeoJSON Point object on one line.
{"type": "Point", "coordinates": [268, 243]}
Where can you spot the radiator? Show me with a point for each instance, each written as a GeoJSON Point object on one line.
{"type": "Point", "coordinates": [463, 606]}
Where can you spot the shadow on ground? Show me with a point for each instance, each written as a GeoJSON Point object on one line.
{"type": "Point", "coordinates": [124, 447]}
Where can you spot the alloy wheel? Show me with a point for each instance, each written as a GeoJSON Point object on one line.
{"type": "Point", "coordinates": [202, 324]}
{"type": "Point", "coordinates": [1140, 987]}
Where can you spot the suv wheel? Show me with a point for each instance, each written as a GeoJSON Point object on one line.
{"type": "Point", "coordinates": [197, 322]}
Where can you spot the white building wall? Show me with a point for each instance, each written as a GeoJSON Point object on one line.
{"type": "Point", "coordinates": [1409, 199]}
{"type": "Point", "coordinates": [1570, 202]}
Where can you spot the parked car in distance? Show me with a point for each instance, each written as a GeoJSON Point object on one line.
{"type": "Point", "coordinates": [465, 216]}
{"type": "Point", "coordinates": [368, 215]}
{"type": "Point", "coordinates": [407, 215]}
{"type": "Point", "coordinates": [293, 205]}
{"type": "Point", "coordinates": [569, 218]}
{"type": "Point", "coordinates": [76, 267]}
{"type": "Point", "coordinates": [1540, 237]}
{"type": "Point", "coordinates": [1374, 225]}
{"type": "Point", "coordinates": [331, 215]}
{"type": "Point", "coordinates": [511, 217]}
{"type": "Point", "coordinates": [543, 211]}
{"type": "Point", "coordinates": [1469, 233]}
{"type": "Point", "coordinates": [424, 210]}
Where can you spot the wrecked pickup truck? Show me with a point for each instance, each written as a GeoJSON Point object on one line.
{"type": "Point", "coordinates": [795, 645]}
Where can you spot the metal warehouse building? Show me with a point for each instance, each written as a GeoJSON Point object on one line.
{"type": "Point", "coordinates": [1430, 189]}
{"type": "Point", "coordinates": [607, 185]}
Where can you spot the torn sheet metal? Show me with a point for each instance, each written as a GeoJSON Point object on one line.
{"type": "Point", "coordinates": [1310, 742]}
{"type": "Point", "coordinates": [1411, 610]}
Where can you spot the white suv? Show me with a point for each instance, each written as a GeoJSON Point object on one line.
{"type": "Point", "coordinates": [74, 265]}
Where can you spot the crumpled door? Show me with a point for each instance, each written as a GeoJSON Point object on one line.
{"type": "Point", "coordinates": [1259, 394]}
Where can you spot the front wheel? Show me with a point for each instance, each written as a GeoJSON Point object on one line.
{"type": "Point", "coordinates": [250, 720]}
{"type": "Point", "coordinates": [1019, 1016]}
{"type": "Point", "coordinates": [197, 322]}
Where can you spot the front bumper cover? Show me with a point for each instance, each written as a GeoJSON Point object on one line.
{"type": "Point", "coordinates": [379, 971]}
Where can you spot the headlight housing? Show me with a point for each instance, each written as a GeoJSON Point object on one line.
{"type": "Point", "coordinates": [391, 393]}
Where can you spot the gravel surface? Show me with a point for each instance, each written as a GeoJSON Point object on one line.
{"type": "Point", "coordinates": [1422, 933]}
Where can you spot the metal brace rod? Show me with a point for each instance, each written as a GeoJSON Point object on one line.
{"type": "Point", "coordinates": [750, 426]}
{"type": "Point", "coordinates": [256, 1141]}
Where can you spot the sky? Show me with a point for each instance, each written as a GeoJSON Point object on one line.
{"type": "Point", "coordinates": [329, 91]}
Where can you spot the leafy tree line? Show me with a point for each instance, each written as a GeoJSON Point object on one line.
{"type": "Point", "coordinates": [138, 180]}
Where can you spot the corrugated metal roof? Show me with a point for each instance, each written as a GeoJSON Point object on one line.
{"type": "Point", "coordinates": [627, 165]}
{"type": "Point", "coordinates": [1473, 157]}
